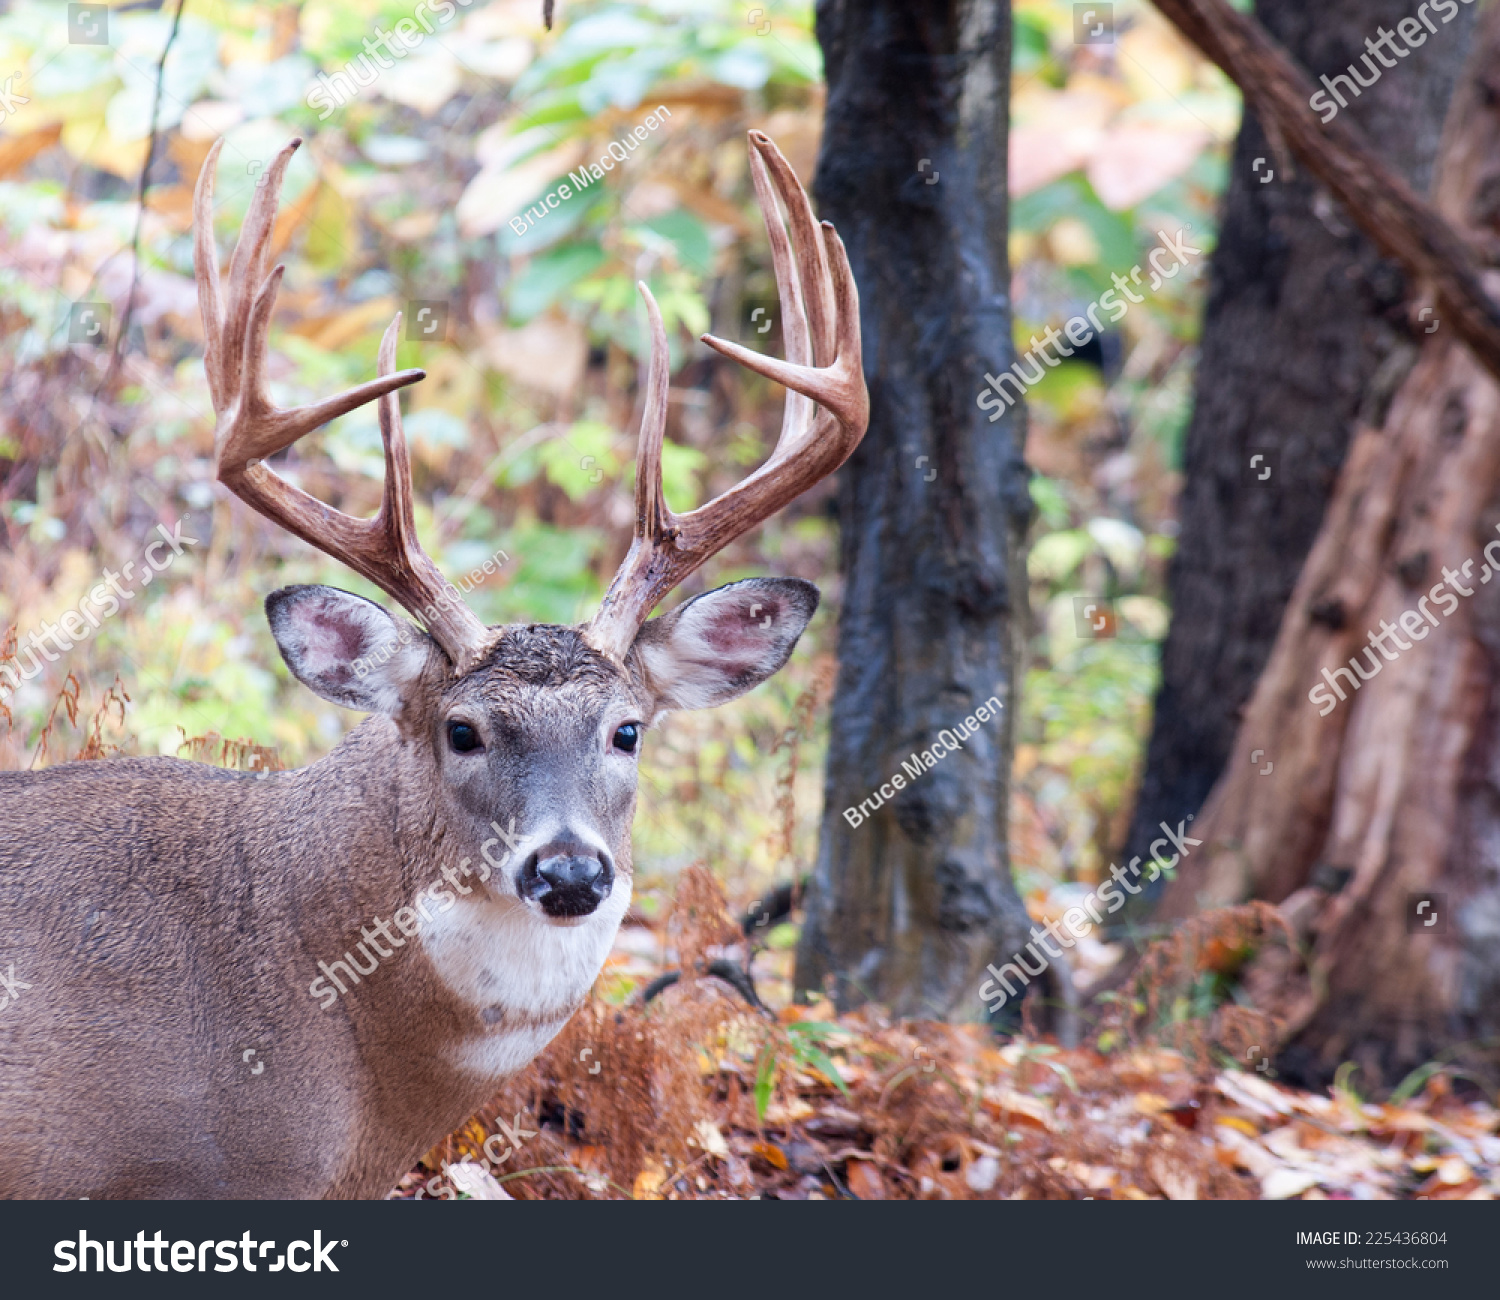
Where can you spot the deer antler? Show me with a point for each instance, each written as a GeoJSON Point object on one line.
{"type": "Point", "coordinates": [249, 429]}
{"type": "Point", "coordinates": [826, 413]}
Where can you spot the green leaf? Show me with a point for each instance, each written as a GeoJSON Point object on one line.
{"type": "Point", "coordinates": [686, 236]}
{"type": "Point", "coordinates": [75, 69]}
{"type": "Point", "coordinates": [765, 1080]}
{"type": "Point", "coordinates": [1414, 1082]}
{"type": "Point", "coordinates": [797, 59]}
{"type": "Point", "coordinates": [1070, 390]}
{"type": "Point", "coordinates": [1029, 44]}
{"type": "Point", "coordinates": [552, 579]}
{"type": "Point", "coordinates": [554, 110]}
{"type": "Point", "coordinates": [679, 472]}
{"type": "Point", "coordinates": [1047, 496]}
{"type": "Point", "coordinates": [1054, 557]}
{"type": "Point", "coordinates": [624, 82]}
{"type": "Point", "coordinates": [557, 229]}
{"type": "Point", "coordinates": [814, 1029]}
{"type": "Point", "coordinates": [1073, 196]}
{"type": "Point", "coordinates": [745, 67]}
{"type": "Point", "coordinates": [612, 29]}
{"type": "Point", "coordinates": [551, 274]}
{"type": "Point", "coordinates": [783, 938]}
{"type": "Point", "coordinates": [581, 460]}
{"type": "Point", "coordinates": [1343, 1079]}
{"type": "Point", "coordinates": [1063, 1073]}
{"type": "Point", "coordinates": [815, 1056]}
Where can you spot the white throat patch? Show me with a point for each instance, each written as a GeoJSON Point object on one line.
{"type": "Point", "coordinates": [522, 975]}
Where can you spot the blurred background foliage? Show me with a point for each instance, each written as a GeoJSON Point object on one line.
{"type": "Point", "coordinates": [410, 194]}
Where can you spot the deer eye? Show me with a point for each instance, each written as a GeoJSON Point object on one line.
{"type": "Point", "coordinates": [462, 737]}
{"type": "Point", "coordinates": [627, 737]}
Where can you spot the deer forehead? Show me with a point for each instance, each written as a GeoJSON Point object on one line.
{"type": "Point", "coordinates": [540, 675]}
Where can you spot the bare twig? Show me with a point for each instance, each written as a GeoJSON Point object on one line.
{"type": "Point", "coordinates": [140, 217]}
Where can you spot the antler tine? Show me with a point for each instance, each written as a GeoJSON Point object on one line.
{"type": "Point", "coordinates": [794, 329]}
{"type": "Point", "coordinates": [206, 269]}
{"type": "Point", "coordinates": [823, 279]}
{"type": "Point", "coordinates": [652, 517]}
{"type": "Point", "coordinates": [397, 513]}
{"type": "Point", "coordinates": [812, 261]}
{"type": "Point", "coordinates": [820, 319]}
{"type": "Point", "coordinates": [410, 575]}
{"type": "Point", "coordinates": [614, 626]}
{"type": "Point", "coordinates": [236, 329]}
{"type": "Point", "coordinates": [833, 387]}
{"type": "Point", "coordinates": [224, 327]}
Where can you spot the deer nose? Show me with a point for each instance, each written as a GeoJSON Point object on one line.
{"type": "Point", "coordinates": [567, 879]}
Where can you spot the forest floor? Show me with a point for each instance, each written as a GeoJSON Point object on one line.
{"type": "Point", "coordinates": [697, 1095]}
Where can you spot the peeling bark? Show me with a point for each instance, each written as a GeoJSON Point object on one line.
{"type": "Point", "coordinates": [1304, 335]}
{"type": "Point", "coordinates": [1395, 792]}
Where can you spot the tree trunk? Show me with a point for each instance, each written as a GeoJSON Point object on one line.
{"type": "Point", "coordinates": [1304, 334]}
{"type": "Point", "coordinates": [1390, 796]}
{"type": "Point", "coordinates": [907, 906]}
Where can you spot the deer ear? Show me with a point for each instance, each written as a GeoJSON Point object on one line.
{"type": "Point", "coordinates": [345, 648]}
{"type": "Point", "coordinates": [719, 645]}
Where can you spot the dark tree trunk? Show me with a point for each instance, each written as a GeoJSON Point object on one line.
{"type": "Point", "coordinates": [907, 907]}
{"type": "Point", "coordinates": [1378, 830]}
{"type": "Point", "coordinates": [1304, 335]}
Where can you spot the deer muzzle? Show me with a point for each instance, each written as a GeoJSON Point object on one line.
{"type": "Point", "coordinates": [566, 879]}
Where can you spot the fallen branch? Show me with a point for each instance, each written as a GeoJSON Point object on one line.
{"type": "Point", "coordinates": [1380, 202]}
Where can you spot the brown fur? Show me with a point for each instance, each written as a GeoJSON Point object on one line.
{"type": "Point", "coordinates": [169, 918]}
{"type": "Point", "coordinates": [139, 880]}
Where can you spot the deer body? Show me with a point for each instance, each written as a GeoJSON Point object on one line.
{"type": "Point", "coordinates": [294, 984]}
{"type": "Point", "coordinates": [177, 921]}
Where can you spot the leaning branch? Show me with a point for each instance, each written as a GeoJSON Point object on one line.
{"type": "Point", "coordinates": [1380, 202]}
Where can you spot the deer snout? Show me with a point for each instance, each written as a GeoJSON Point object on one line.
{"type": "Point", "coordinates": [567, 879]}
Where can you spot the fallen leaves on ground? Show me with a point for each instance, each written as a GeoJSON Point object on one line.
{"type": "Point", "coordinates": [945, 1112]}
{"type": "Point", "coordinates": [698, 1095]}
{"type": "Point", "coordinates": [986, 1120]}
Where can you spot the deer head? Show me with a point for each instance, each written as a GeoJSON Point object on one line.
{"type": "Point", "coordinates": [538, 727]}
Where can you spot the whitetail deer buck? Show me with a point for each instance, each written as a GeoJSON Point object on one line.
{"type": "Point", "coordinates": [175, 1037]}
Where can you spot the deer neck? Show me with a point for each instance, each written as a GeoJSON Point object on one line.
{"type": "Point", "coordinates": [482, 982]}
